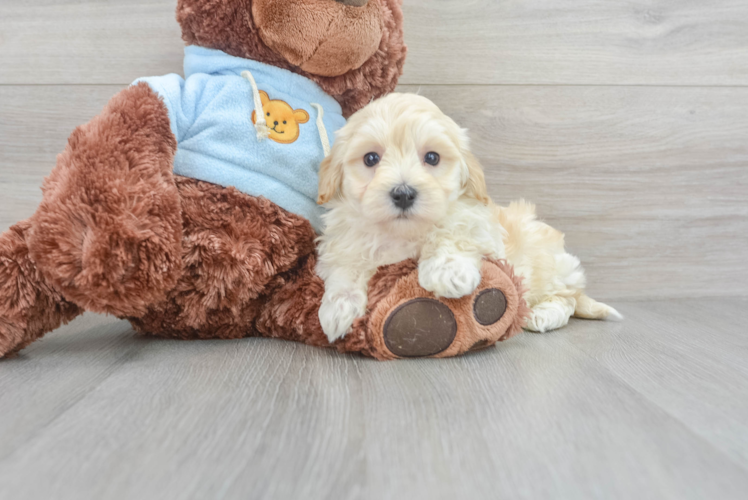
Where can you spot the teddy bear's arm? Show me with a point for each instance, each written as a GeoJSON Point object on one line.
{"type": "Point", "coordinates": [108, 232]}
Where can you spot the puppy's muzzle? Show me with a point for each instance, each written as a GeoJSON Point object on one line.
{"type": "Point", "coordinates": [403, 197]}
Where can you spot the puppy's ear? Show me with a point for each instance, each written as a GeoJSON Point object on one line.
{"type": "Point", "coordinates": [330, 179]}
{"type": "Point", "coordinates": [475, 184]}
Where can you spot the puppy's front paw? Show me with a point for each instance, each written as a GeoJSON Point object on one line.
{"type": "Point", "coordinates": [338, 311]}
{"type": "Point", "coordinates": [450, 276]}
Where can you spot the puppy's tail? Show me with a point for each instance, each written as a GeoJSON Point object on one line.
{"type": "Point", "coordinates": [589, 308]}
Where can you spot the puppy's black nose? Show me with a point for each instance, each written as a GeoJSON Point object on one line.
{"type": "Point", "coordinates": [276, 123]}
{"type": "Point", "coordinates": [403, 197]}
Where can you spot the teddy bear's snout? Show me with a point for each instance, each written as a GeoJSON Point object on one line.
{"type": "Point", "coordinates": [322, 37]}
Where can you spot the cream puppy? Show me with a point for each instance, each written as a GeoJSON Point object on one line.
{"type": "Point", "coordinates": [402, 183]}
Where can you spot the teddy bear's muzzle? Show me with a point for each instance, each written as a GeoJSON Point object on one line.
{"type": "Point", "coordinates": [322, 37]}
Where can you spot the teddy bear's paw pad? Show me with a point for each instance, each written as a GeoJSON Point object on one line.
{"type": "Point", "coordinates": [420, 327]}
{"type": "Point", "coordinates": [489, 306]}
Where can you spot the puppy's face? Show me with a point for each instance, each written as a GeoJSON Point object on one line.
{"type": "Point", "coordinates": [401, 161]}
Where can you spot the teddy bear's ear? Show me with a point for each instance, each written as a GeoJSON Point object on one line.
{"type": "Point", "coordinates": [264, 97]}
{"type": "Point", "coordinates": [330, 179]}
{"type": "Point", "coordinates": [301, 116]}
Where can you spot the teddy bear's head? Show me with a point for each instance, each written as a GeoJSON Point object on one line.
{"type": "Point", "coordinates": [352, 48]}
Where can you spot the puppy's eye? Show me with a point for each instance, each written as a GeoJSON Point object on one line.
{"type": "Point", "coordinates": [432, 158]}
{"type": "Point", "coordinates": [268, 114]}
{"type": "Point", "coordinates": [284, 122]}
{"type": "Point", "coordinates": [371, 159]}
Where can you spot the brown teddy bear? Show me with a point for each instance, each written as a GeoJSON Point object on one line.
{"type": "Point", "coordinates": [187, 212]}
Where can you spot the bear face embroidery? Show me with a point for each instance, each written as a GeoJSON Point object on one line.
{"type": "Point", "coordinates": [282, 120]}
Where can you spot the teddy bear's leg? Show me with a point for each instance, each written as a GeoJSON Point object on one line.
{"type": "Point", "coordinates": [29, 305]}
{"type": "Point", "coordinates": [237, 250]}
{"type": "Point", "coordinates": [108, 232]}
{"type": "Point", "coordinates": [291, 310]}
{"type": "Point", "coordinates": [404, 320]}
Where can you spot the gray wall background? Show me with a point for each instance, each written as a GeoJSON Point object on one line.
{"type": "Point", "coordinates": [626, 122]}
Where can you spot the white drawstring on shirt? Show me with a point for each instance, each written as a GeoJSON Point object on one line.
{"type": "Point", "coordinates": [261, 125]}
{"type": "Point", "coordinates": [321, 128]}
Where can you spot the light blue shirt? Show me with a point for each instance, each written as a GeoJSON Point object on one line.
{"type": "Point", "coordinates": [211, 116]}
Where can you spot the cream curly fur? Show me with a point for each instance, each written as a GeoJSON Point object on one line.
{"type": "Point", "coordinates": [449, 229]}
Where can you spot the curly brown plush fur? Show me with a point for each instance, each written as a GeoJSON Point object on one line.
{"type": "Point", "coordinates": [108, 232]}
{"type": "Point", "coordinates": [29, 305]}
{"type": "Point", "coordinates": [236, 250]}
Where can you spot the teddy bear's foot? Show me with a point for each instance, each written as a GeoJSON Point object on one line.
{"type": "Point", "coordinates": [405, 321]}
{"type": "Point", "coordinates": [425, 327]}
{"type": "Point", "coordinates": [29, 307]}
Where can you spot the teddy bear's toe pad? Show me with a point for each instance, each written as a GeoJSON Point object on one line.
{"type": "Point", "coordinates": [421, 327]}
{"type": "Point", "coordinates": [489, 306]}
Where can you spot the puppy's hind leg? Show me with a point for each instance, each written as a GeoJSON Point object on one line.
{"type": "Point", "coordinates": [551, 314]}
{"type": "Point", "coordinates": [588, 308]}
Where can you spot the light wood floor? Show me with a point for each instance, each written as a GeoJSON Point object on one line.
{"type": "Point", "coordinates": [654, 407]}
